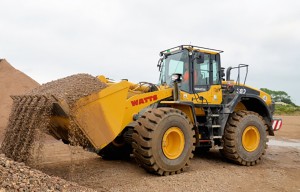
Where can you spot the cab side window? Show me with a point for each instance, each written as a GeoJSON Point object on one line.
{"type": "Point", "coordinates": [215, 72]}
{"type": "Point", "coordinates": [201, 72]}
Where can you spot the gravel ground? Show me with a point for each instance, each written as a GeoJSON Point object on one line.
{"type": "Point", "coordinates": [16, 176]}
{"type": "Point", "coordinates": [278, 171]}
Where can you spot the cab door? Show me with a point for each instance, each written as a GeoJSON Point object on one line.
{"type": "Point", "coordinates": [207, 79]}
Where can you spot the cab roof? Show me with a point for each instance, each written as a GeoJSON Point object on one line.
{"type": "Point", "coordinates": [191, 48]}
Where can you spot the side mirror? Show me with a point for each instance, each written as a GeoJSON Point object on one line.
{"type": "Point", "coordinates": [176, 77]}
{"type": "Point", "coordinates": [199, 57]}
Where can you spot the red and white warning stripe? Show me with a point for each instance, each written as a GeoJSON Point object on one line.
{"type": "Point", "coordinates": [276, 124]}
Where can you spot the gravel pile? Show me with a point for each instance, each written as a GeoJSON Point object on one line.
{"type": "Point", "coordinates": [16, 176]}
{"type": "Point", "coordinates": [70, 88]}
{"type": "Point", "coordinates": [30, 115]}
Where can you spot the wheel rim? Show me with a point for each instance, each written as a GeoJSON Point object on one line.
{"type": "Point", "coordinates": [251, 138]}
{"type": "Point", "coordinates": [173, 143]}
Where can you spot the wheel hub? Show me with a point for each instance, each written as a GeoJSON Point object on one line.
{"type": "Point", "coordinates": [173, 143]}
{"type": "Point", "coordinates": [251, 138]}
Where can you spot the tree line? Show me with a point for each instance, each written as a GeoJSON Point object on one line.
{"type": "Point", "coordinates": [279, 96]}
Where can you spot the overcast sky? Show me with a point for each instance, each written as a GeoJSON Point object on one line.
{"type": "Point", "coordinates": [48, 40]}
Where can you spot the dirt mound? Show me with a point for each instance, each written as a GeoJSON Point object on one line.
{"type": "Point", "coordinates": [16, 176]}
{"type": "Point", "coordinates": [30, 116]}
{"type": "Point", "coordinates": [12, 82]}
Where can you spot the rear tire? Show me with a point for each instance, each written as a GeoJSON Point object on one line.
{"type": "Point", "coordinates": [245, 138]}
{"type": "Point", "coordinates": [163, 141]}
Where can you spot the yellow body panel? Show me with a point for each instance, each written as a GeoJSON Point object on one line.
{"type": "Point", "coordinates": [212, 96]}
{"type": "Point", "coordinates": [204, 50]}
{"type": "Point", "coordinates": [199, 112]}
{"type": "Point", "coordinates": [184, 108]}
{"type": "Point", "coordinates": [136, 103]}
{"type": "Point", "coordinates": [59, 128]}
{"type": "Point", "coordinates": [266, 97]}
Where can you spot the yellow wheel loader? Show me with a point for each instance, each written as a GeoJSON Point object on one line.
{"type": "Point", "coordinates": [192, 108]}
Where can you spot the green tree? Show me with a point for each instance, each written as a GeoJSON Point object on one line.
{"type": "Point", "coordinates": [279, 96]}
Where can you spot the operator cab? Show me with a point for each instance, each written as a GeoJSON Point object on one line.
{"type": "Point", "coordinates": [198, 67]}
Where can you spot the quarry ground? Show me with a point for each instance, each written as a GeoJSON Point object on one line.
{"type": "Point", "coordinates": [279, 170]}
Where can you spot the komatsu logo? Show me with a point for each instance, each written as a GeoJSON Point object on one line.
{"type": "Point", "coordinates": [144, 100]}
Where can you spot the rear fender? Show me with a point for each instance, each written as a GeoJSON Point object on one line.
{"type": "Point", "coordinates": [256, 104]}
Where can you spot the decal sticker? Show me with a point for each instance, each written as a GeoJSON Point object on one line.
{"type": "Point", "coordinates": [241, 91]}
{"type": "Point", "coordinates": [265, 98]}
{"type": "Point", "coordinates": [200, 89]}
{"type": "Point", "coordinates": [144, 100]}
{"type": "Point", "coordinates": [215, 97]}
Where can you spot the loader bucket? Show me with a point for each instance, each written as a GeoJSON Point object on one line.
{"type": "Point", "coordinates": [100, 115]}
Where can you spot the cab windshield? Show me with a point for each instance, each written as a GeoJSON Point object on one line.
{"type": "Point", "coordinates": [174, 63]}
{"type": "Point", "coordinates": [197, 75]}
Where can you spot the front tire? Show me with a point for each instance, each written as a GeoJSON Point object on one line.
{"type": "Point", "coordinates": [163, 141]}
{"type": "Point", "coordinates": [245, 138]}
